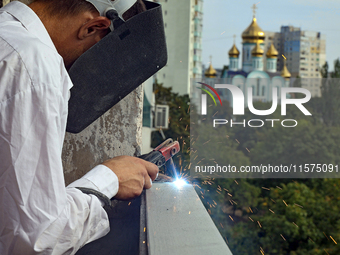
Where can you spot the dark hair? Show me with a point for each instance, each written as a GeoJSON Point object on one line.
{"type": "Point", "coordinates": [67, 7]}
{"type": "Point", "coordinates": [75, 7]}
{"type": "Point", "coordinates": [138, 7]}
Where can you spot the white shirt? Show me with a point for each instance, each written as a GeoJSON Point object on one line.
{"type": "Point", "coordinates": [37, 213]}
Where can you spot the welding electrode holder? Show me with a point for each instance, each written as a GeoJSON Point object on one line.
{"type": "Point", "coordinates": [154, 157]}
{"type": "Point", "coordinates": [162, 153]}
{"type": "Point", "coordinates": [159, 156]}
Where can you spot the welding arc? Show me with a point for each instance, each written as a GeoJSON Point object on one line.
{"type": "Point", "coordinates": [212, 90]}
{"type": "Point", "coordinates": [209, 94]}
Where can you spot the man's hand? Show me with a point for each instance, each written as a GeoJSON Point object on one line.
{"type": "Point", "coordinates": [133, 174]}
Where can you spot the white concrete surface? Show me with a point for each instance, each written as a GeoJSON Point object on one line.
{"type": "Point", "coordinates": [178, 223]}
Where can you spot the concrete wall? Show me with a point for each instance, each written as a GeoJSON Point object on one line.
{"type": "Point", "coordinates": [117, 132]}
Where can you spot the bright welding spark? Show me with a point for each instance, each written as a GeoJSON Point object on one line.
{"type": "Point", "coordinates": [259, 224]}
{"type": "Point", "coordinates": [179, 182]}
{"type": "Point", "coordinates": [226, 240]}
{"type": "Point", "coordinates": [332, 239]}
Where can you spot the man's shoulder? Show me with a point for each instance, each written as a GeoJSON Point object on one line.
{"type": "Point", "coordinates": [24, 54]}
{"type": "Point", "coordinates": [19, 42]}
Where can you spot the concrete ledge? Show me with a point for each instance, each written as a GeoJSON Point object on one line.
{"type": "Point", "coordinates": [177, 223]}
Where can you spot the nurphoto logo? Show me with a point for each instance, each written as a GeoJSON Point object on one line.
{"type": "Point", "coordinates": [238, 105]}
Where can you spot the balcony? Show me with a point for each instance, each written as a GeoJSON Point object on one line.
{"type": "Point", "coordinates": [166, 219]}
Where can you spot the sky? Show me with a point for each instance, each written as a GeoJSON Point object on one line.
{"type": "Point", "coordinates": [224, 18]}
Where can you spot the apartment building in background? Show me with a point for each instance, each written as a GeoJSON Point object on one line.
{"type": "Point", "coordinates": [305, 53]}
{"type": "Point", "coordinates": [183, 21]}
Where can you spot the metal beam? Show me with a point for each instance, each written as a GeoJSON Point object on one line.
{"type": "Point", "coordinates": [177, 223]}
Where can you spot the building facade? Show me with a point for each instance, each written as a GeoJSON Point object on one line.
{"type": "Point", "coordinates": [183, 30]}
{"type": "Point", "coordinates": [305, 52]}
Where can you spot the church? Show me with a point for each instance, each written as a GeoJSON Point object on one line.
{"type": "Point", "coordinates": [258, 72]}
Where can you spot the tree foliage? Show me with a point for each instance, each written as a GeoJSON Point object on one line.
{"type": "Point", "coordinates": [272, 216]}
{"type": "Point", "coordinates": [179, 122]}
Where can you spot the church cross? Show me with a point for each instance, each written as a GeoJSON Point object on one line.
{"type": "Point", "coordinates": [254, 7]}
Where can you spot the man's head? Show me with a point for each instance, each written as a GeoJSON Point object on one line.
{"type": "Point", "coordinates": [75, 25]}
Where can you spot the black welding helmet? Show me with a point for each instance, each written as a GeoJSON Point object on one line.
{"type": "Point", "coordinates": [130, 54]}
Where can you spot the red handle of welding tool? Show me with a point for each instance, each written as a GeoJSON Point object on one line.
{"type": "Point", "coordinates": [162, 154]}
{"type": "Point", "coordinates": [170, 150]}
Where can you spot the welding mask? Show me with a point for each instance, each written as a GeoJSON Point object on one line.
{"type": "Point", "coordinates": [131, 53]}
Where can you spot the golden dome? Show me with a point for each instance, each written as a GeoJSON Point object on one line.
{"type": "Point", "coordinates": [234, 52]}
{"type": "Point", "coordinates": [211, 72]}
{"type": "Point", "coordinates": [285, 73]}
{"type": "Point", "coordinates": [253, 33]}
{"type": "Point", "coordinates": [257, 51]}
{"type": "Point", "coordinates": [272, 52]}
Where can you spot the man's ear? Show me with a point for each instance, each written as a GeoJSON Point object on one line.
{"type": "Point", "coordinates": [93, 27]}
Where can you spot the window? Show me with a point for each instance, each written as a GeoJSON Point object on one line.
{"type": "Point", "coordinates": [263, 91]}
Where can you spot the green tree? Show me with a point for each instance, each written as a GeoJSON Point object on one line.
{"type": "Point", "coordinates": [179, 122]}
{"type": "Point", "coordinates": [324, 70]}
{"type": "Point", "coordinates": [329, 104]}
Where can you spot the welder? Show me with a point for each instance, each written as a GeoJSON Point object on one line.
{"type": "Point", "coordinates": [42, 46]}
